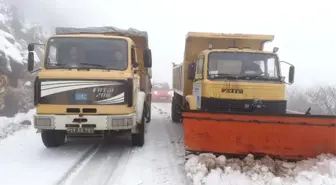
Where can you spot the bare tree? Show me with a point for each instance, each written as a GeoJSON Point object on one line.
{"type": "Point", "coordinates": [321, 99]}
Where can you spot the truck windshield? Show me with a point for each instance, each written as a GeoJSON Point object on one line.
{"type": "Point", "coordinates": [92, 53]}
{"type": "Point", "coordinates": [243, 65]}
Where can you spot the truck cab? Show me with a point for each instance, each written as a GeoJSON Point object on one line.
{"type": "Point", "coordinates": [91, 83]}
{"type": "Point", "coordinates": [229, 73]}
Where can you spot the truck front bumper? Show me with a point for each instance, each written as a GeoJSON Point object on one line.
{"type": "Point", "coordinates": [98, 122]}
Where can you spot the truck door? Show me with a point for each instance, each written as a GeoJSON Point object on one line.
{"type": "Point", "coordinates": [197, 84]}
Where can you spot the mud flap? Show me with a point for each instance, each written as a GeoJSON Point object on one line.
{"type": "Point", "coordinates": [289, 136]}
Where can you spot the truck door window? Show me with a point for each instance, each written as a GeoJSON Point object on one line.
{"type": "Point", "coordinates": [200, 64]}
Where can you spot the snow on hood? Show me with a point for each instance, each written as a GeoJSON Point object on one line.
{"type": "Point", "coordinates": [207, 169]}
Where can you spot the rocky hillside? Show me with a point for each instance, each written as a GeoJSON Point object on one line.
{"type": "Point", "coordinates": [15, 33]}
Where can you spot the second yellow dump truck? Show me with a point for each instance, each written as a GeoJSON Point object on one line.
{"type": "Point", "coordinates": [216, 75]}
{"type": "Point", "coordinates": [93, 81]}
{"type": "Point", "coordinates": [230, 95]}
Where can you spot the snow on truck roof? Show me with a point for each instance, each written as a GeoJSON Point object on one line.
{"type": "Point", "coordinates": [101, 30]}
{"type": "Point", "coordinates": [230, 36]}
{"type": "Point", "coordinates": [130, 32]}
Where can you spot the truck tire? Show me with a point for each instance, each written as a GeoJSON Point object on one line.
{"type": "Point", "coordinates": [53, 138]}
{"type": "Point", "coordinates": [138, 139]}
{"type": "Point", "coordinates": [176, 118]}
{"type": "Point", "coordinates": [148, 113]}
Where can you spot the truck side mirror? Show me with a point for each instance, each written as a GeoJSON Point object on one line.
{"type": "Point", "coordinates": [31, 61]}
{"type": "Point", "coordinates": [31, 47]}
{"type": "Point", "coordinates": [191, 71]}
{"type": "Point", "coordinates": [150, 72]}
{"type": "Point", "coordinates": [147, 58]}
{"type": "Point", "coordinates": [291, 74]}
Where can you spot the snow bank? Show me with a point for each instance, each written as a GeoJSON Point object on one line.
{"type": "Point", "coordinates": [10, 125]}
{"type": "Point", "coordinates": [206, 169]}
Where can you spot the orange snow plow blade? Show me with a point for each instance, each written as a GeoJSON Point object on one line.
{"type": "Point", "coordinates": [290, 136]}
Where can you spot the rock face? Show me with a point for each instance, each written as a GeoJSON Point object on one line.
{"type": "Point", "coordinates": [15, 96]}
{"type": "Point", "coordinates": [16, 90]}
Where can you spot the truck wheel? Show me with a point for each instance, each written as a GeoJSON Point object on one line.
{"type": "Point", "coordinates": [138, 139]}
{"type": "Point", "coordinates": [174, 114]}
{"type": "Point", "coordinates": [53, 138]}
{"type": "Point", "coordinates": [148, 113]}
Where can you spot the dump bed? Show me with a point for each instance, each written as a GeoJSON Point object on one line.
{"type": "Point", "coordinates": [178, 79]}
{"type": "Point", "coordinates": [140, 38]}
{"type": "Point", "coordinates": [196, 42]}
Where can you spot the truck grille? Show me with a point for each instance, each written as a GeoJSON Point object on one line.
{"type": "Point", "coordinates": [82, 92]}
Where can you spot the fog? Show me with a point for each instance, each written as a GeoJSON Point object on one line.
{"type": "Point", "coordinates": [303, 30]}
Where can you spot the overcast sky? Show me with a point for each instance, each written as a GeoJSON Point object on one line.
{"type": "Point", "coordinates": [304, 30]}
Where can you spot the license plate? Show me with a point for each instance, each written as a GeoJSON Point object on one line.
{"type": "Point", "coordinates": [81, 96]}
{"type": "Point", "coordinates": [163, 98]}
{"type": "Point", "coordinates": [80, 130]}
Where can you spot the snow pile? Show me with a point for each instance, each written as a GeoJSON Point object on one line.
{"type": "Point", "coordinates": [10, 125]}
{"type": "Point", "coordinates": [207, 169]}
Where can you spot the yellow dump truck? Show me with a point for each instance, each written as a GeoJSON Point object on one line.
{"type": "Point", "coordinates": [230, 95]}
{"type": "Point", "coordinates": [93, 81]}
{"type": "Point", "coordinates": [220, 75]}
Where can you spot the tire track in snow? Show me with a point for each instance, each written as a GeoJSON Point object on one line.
{"type": "Point", "coordinates": [98, 167]}
{"type": "Point", "coordinates": [120, 164]}
{"type": "Point", "coordinates": [176, 133]}
{"type": "Point", "coordinates": [80, 162]}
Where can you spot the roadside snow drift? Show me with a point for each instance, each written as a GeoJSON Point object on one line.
{"type": "Point", "coordinates": [206, 169]}
{"type": "Point", "coordinates": [10, 125]}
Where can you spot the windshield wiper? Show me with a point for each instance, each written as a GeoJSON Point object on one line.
{"type": "Point", "coordinates": [221, 75]}
{"type": "Point", "coordinates": [97, 65]}
{"type": "Point", "coordinates": [63, 65]}
{"type": "Point", "coordinates": [261, 77]}
{"type": "Point", "coordinates": [235, 76]}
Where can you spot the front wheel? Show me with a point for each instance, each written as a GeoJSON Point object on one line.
{"type": "Point", "coordinates": [148, 113]}
{"type": "Point", "coordinates": [176, 118]}
{"type": "Point", "coordinates": [53, 138]}
{"type": "Point", "coordinates": [138, 139]}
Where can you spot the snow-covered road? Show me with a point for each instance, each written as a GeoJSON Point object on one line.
{"type": "Point", "coordinates": [24, 159]}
